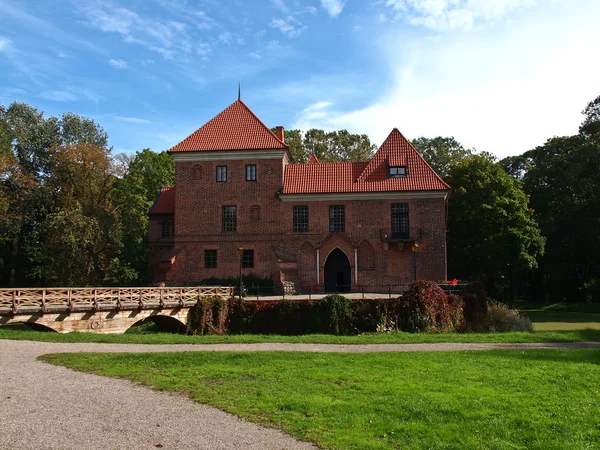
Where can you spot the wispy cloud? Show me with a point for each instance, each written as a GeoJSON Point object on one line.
{"type": "Point", "coordinates": [118, 63]}
{"type": "Point", "coordinates": [5, 45]}
{"type": "Point", "coordinates": [335, 7]}
{"type": "Point", "coordinates": [445, 15]}
{"type": "Point", "coordinates": [280, 4]}
{"type": "Point", "coordinates": [58, 96]}
{"type": "Point", "coordinates": [289, 26]}
{"type": "Point", "coordinates": [131, 119]}
{"type": "Point", "coordinates": [225, 37]}
{"type": "Point", "coordinates": [169, 38]}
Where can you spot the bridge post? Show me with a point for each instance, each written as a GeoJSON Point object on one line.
{"type": "Point", "coordinates": [43, 301]}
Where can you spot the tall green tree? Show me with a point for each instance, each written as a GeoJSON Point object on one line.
{"type": "Point", "coordinates": [134, 194]}
{"type": "Point", "coordinates": [333, 146]}
{"type": "Point", "coordinates": [26, 139]}
{"type": "Point", "coordinates": [492, 235]}
{"type": "Point", "coordinates": [441, 152]}
{"type": "Point", "coordinates": [563, 183]}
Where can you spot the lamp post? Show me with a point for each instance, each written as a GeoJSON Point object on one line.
{"type": "Point", "coordinates": [240, 251]}
{"type": "Point", "coordinates": [415, 249]}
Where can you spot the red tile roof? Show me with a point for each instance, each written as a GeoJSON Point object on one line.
{"type": "Point", "coordinates": [235, 128]}
{"type": "Point", "coordinates": [345, 177]}
{"type": "Point", "coordinates": [165, 201]}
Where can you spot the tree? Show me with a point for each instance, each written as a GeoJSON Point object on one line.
{"type": "Point", "coordinates": [563, 183]}
{"type": "Point", "coordinates": [334, 146]}
{"type": "Point", "coordinates": [26, 137]}
{"type": "Point", "coordinates": [590, 128]}
{"type": "Point", "coordinates": [441, 152]}
{"type": "Point", "coordinates": [82, 233]}
{"type": "Point", "coordinates": [134, 195]}
{"type": "Point", "coordinates": [492, 235]}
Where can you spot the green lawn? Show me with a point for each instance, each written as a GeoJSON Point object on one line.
{"type": "Point", "coordinates": [534, 399]}
{"type": "Point", "coordinates": [22, 333]}
{"type": "Point", "coordinates": [551, 319]}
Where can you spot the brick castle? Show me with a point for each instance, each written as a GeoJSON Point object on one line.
{"type": "Point", "coordinates": [343, 226]}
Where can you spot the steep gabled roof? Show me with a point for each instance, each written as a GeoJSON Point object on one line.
{"type": "Point", "coordinates": [347, 177]}
{"type": "Point", "coordinates": [165, 201]}
{"type": "Point", "coordinates": [235, 128]}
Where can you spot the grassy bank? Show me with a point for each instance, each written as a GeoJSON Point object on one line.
{"type": "Point", "coordinates": [21, 333]}
{"type": "Point", "coordinates": [539, 399]}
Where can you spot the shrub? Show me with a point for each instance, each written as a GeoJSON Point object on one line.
{"type": "Point", "coordinates": [333, 315]}
{"type": "Point", "coordinates": [502, 319]}
{"type": "Point", "coordinates": [424, 307]}
{"type": "Point", "coordinates": [456, 305]}
{"type": "Point", "coordinates": [475, 307]}
{"type": "Point", "coordinates": [208, 316]}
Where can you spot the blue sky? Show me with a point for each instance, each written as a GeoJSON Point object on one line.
{"type": "Point", "coordinates": [499, 75]}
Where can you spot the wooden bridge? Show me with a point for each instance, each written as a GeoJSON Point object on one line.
{"type": "Point", "coordinates": [102, 310]}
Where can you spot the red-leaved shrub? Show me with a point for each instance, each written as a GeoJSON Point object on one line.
{"type": "Point", "coordinates": [424, 307]}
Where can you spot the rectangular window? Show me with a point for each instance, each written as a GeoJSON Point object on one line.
{"type": "Point", "coordinates": [300, 219]}
{"type": "Point", "coordinates": [166, 229]}
{"type": "Point", "coordinates": [250, 172]}
{"type": "Point", "coordinates": [248, 259]}
{"type": "Point", "coordinates": [229, 218]}
{"type": "Point", "coordinates": [400, 228]}
{"type": "Point", "coordinates": [397, 172]}
{"type": "Point", "coordinates": [221, 173]}
{"type": "Point", "coordinates": [336, 219]}
{"type": "Point", "coordinates": [210, 259]}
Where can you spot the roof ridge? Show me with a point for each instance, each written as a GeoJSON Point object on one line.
{"type": "Point", "coordinates": [234, 128]}
{"type": "Point", "coordinates": [260, 121]}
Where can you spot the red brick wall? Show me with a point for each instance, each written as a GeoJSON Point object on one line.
{"type": "Point", "coordinates": [198, 227]}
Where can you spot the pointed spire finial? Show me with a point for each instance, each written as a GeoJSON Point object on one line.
{"type": "Point", "coordinates": [239, 90]}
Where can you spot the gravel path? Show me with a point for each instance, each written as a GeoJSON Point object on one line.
{"type": "Point", "coordinates": [49, 407]}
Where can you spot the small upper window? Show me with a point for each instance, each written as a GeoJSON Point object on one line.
{"type": "Point", "coordinates": [397, 171]}
{"type": "Point", "coordinates": [251, 172]}
{"type": "Point", "coordinates": [166, 229]}
{"type": "Point", "coordinates": [221, 173]}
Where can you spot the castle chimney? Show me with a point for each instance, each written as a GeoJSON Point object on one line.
{"type": "Point", "coordinates": [280, 133]}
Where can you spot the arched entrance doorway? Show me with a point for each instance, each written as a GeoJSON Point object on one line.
{"type": "Point", "coordinates": [337, 272]}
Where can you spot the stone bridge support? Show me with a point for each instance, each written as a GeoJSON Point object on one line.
{"type": "Point", "coordinates": [112, 321]}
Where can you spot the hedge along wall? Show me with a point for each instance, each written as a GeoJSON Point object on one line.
{"type": "Point", "coordinates": [423, 308]}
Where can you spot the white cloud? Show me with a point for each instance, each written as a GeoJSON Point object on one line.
{"type": "Point", "coordinates": [273, 45]}
{"type": "Point", "coordinates": [225, 37]}
{"type": "Point", "coordinates": [131, 119]}
{"type": "Point", "coordinates": [505, 90]}
{"type": "Point", "coordinates": [118, 63]}
{"type": "Point", "coordinates": [203, 49]}
{"type": "Point", "coordinates": [170, 38]}
{"type": "Point", "coordinates": [288, 26]}
{"type": "Point", "coordinates": [444, 15]}
{"type": "Point", "coordinates": [280, 4]}
{"type": "Point", "coordinates": [255, 55]}
{"type": "Point", "coordinates": [333, 7]}
{"type": "Point", "coordinates": [5, 45]}
{"type": "Point", "coordinates": [58, 96]}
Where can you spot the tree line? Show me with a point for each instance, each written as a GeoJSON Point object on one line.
{"type": "Point", "coordinates": [74, 214]}
{"type": "Point", "coordinates": [71, 212]}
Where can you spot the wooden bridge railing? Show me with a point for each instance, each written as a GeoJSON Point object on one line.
{"type": "Point", "coordinates": [13, 301]}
